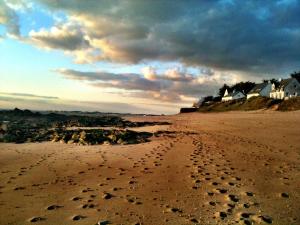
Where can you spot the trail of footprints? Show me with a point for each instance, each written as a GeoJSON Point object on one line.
{"type": "Point", "coordinates": [226, 198]}
{"type": "Point", "coordinates": [146, 164]}
{"type": "Point", "coordinates": [223, 188]}
{"type": "Point", "coordinates": [25, 170]}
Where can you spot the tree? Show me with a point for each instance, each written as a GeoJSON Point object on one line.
{"type": "Point", "coordinates": [205, 100]}
{"type": "Point", "coordinates": [243, 87]}
{"type": "Point", "coordinates": [272, 81]}
{"type": "Point", "coordinates": [217, 99]}
{"type": "Point", "coordinates": [223, 89]}
{"type": "Point", "coordinates": [208, 99]}
{"type": "Point", "coordinates": [296, 75]}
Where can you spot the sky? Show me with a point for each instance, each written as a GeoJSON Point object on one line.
{"type": "Point", "coordinates": [133, 56]}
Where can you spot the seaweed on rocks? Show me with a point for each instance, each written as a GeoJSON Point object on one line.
{"type": "Point", "coordinates": [19, 126]}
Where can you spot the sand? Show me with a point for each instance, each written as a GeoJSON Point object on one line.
{"type": "Point", "coordinates": [219, 168]}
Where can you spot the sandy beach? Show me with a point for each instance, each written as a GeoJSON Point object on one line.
{"type": "Point", "coordinates": [215, 168]}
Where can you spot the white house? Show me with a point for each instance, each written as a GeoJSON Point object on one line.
{"type": "Point", "coordinates": [232, 96]}
{"type": "Point", "coordinates": [287, 88]}
{"type": "Point", "coordinates": [262, 89]}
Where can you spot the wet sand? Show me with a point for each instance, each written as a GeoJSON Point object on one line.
{"type": "Point", "coordinates": [219, 168]}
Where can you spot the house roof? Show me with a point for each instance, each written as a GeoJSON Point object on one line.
{"type": "Point", "coordinates": [232, 94]}
{"type": "Point", "coordinates": [236, 92]}
{"type": "Point", "coordinates": [283, 83]}
{"type": "Point", "coordinates": [257, 88]}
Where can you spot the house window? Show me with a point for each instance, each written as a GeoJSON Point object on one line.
{"type": "Point", "coordinates": [287, 94]}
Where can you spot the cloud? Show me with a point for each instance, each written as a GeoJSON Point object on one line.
{"type": "Point", "coordinates": [67, 37]}
{"type": "Point", "coordinates": [11, 101]}
{"type": "Point", "coordinates": [9, 19]}
{"type": "Point", "coordinates": [92, 76]}
{"type": "Point", "coordinates": [223, 41]}
{"type": "Point", "coordinates": [173, 85]}
{"type": "Point", "coordinates": [26, 95]}
{"type": "Point", "coordinates": [125, 81]}
{"type": "Point", "coordinates": [249, 36]}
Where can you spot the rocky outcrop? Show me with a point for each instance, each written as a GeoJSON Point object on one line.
{"type": "Point", "coordinates": [81, 136]}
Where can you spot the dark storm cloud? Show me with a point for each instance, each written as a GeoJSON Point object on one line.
{"type": "Point", "coordinates": [245, 35]}
{"type": "Point", "coordinates": [250, 36]}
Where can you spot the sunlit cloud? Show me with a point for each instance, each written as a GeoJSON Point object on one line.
{"type": "Point", "coordinates": [174, 84]}
{"type": "Point", "coordinates": [67, 37]}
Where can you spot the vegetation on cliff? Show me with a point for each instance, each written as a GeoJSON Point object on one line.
{"type": "Point", "coordinates": [254, 103]}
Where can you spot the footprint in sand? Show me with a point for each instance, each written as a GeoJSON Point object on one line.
{"type": "Point", "coordinates": [88, 206]}
{"type": "Point", "coordinates": [19, 188]}
{"type": "Point", "coordinates": [222, 215]}
{"type": "Point", "coordinates": [76, 198]}
{"type": "Point", "coordinates": [233, 198]}
{"type": "Point", "coordinates": [78, 217]}
{"type": "Point", "coordinates": [266, 219]}
{"type": "Point", "coordinates": [284, 195]}
{"type": "Point", "coordinates": [37, 219]}
{"type": "Point", "coordinates": [104, 222]}
{"type": "Point", "coordinates": [54, 207]}
{"type": "Point", "coordinates": [212, 203]}
{"type": "Point", "coordinates": [221, 190]}
{"type": "Point", "coordinates": [107, 196]}
{"type": "Point", "coordinates": [87, 190]}
{"type": "Point", "coordinates": [250, 194]}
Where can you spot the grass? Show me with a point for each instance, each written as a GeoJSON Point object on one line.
{"type": "Point", "coordinates": [254, 103]}
{"type": "Point", "coordinates": [290, 104]}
